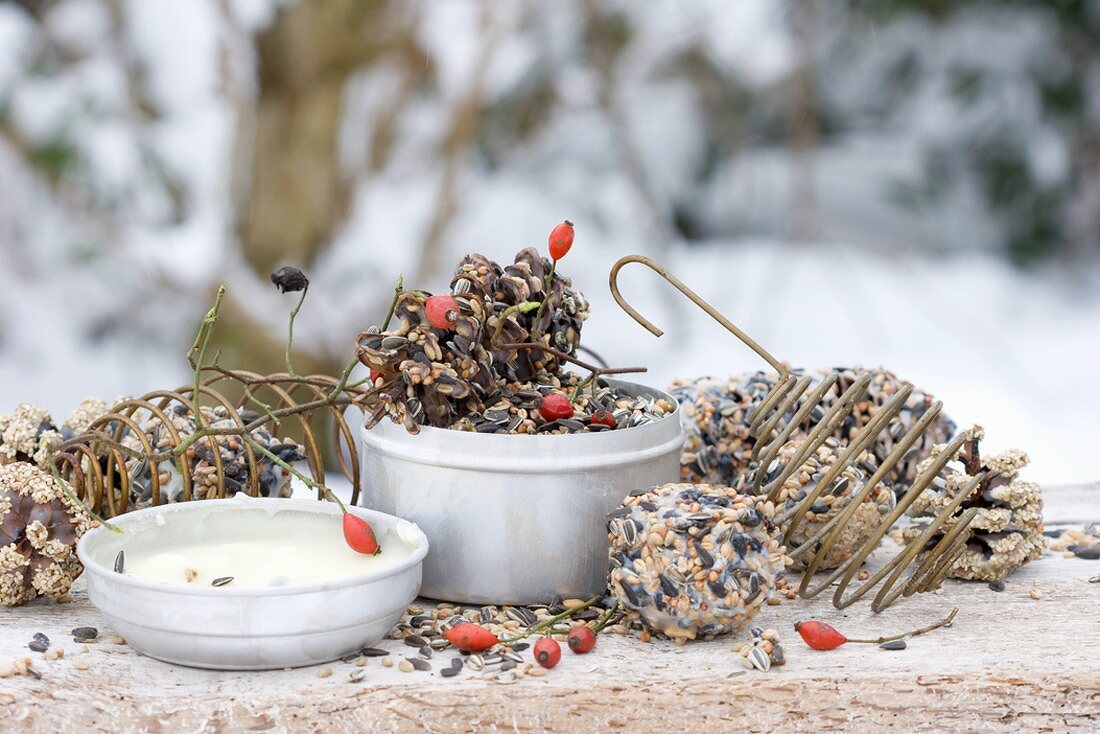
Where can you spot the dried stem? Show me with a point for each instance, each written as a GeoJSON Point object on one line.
{"type": "Point", "coordinates": [548, 286]}
{"type": "Point", "coordinates": [945, 622]}
{"type": "Point", "coordinates": [312, 484]}
{"type": "Point", "coordinates": [517, 308]}
{"type": "Point", "coordinates": [197, 355]}
{"type": "Point", "coordinates": [573, 360]}
{"type": "Point", "coordinates": [550, 621]}
{"type": "Point", "coordinates": [290, 329]}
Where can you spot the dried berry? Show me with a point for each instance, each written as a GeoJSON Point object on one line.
{"type": "Point", "coordinates": [290, 280]}
{"type": "Point", "coordinates": [547, 652]}
{"type": "Point", "coordinates": [581, 639]}
{"type": "Point", "coordinates": [360, 535]}
{"type": "Point", "coordinates": [561, 239]}
{"type": "Point", "coordinates": [442, 311]}
{"type": "Point", "coordinates": [555, 406]}
{"type": "Point", "coordinates": [603, 416]}
{"type": "Point", "coordinates": [470, 637]}
{"type": "Point", "coordinates": [819, 635]}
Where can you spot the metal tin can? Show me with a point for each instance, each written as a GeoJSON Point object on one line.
{"type": "Point", "coordinates": [516, 519]}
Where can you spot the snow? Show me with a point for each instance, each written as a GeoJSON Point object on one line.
{"type": "Point", "coordinates": [101, 285]}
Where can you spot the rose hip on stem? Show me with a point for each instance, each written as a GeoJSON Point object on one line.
{"type": "Point", "coordinates": [442, 311]}
{"type": "Point", "coordinates": [360, 535]}
{"type": "Point", "coordinates": [823, 636]}
{"type": "Point", "coordinates": [470, 637]}
{"type": "Point", "coordinates": [561, 239]}
{"type": "Point", "coordinates": [547, 652]}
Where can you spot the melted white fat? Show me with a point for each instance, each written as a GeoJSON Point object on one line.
{"type": "Point", "coordinates": [263, 562]}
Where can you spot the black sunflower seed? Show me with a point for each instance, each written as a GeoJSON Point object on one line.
{"type": "Point", "coordinates": [373, 652]}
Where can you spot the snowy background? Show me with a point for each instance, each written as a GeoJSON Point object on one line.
{"type": "Point", "coordinates": [901, 183]}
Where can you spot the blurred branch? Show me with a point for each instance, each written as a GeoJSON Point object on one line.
{"type": "Point", "coordinates": [463, 131]}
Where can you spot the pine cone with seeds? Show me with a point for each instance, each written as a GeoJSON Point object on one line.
{"type": "Point", "coordinates": [39, 528]}
{"type": "Point", "coordinates": [429, 376]}
{"type": "Point", "coordinates": [30, 432]}
{"type": "Point", "coordinates": [716, 415]}
{"type": "Point", "coordinates": [1008, 529]}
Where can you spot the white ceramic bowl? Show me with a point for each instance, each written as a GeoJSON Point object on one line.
{"type": "Point", "coordinates": [247, 628]}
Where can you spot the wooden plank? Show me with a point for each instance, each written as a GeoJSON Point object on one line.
{"type": "Point", "coordinates": [1009, 662]}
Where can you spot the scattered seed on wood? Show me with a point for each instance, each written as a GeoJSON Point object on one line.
{"type": "Point", "coordinates": [893, 645]}
{"type": "Point", "coordinates": [373, 652]}
{"type": "Point", "coordinates": [222, 581]}
{"type": "Point", "coordinates": [450, 672]}
{"type": "Point", "coordinates": [324, 672]}
{"type": "Point", "coordinates": [387, 662]}
{"type": "Point", "coordinates": [1035, 593]}
{"type": "Point", "coordinates": [120, 562]}
{"type": "Point", "coordinates": [1095, 580]}
{"type": "Point", "coordinates": [85, 633]}
{"type": "Point", "coordinates": [422, 665]}
{"type": "Point", "coordinates": [356, 676]}
{"type": "Point", "coordinates": [415, 641]}
{"type": "Point", "coordinates": [405, 666]}
{"type": "Point", "coordinates": [997, 585]}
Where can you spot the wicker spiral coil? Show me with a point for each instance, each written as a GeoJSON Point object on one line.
{"type": "Point", "coordinates": [95, 463]}
{"type": "Point", "coordinates": [794, 403]}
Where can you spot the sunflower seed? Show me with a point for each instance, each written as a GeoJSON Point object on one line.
{"type": "Point", "coordinates": [85, 633]}
{"type": "Point", "coordinates": [120, 562]}
{"type": "Point", "coordinates": [357, 675]}
{"type": "Point", "coordinates": [893, 645]}
{"type": "Point", "coordinates": [760, 659]}
{"type": "Point", "coordinates": [450, 672]}
{"type": "Point", "coordinates": [475, 662]}
{"type": "Point", "coordinates": [419, 664]}
{"type": "Point", "coordinates": [415, 641]}
{"type": "Point", "coordinates": [222, 581]}
{"type": "Point", "coordinates": [426, 652]}
{"type": "Point", "coordinates": [373, 652]}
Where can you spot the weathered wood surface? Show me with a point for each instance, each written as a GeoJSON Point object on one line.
{"type": "Point", "coordinates": [1010, 662]}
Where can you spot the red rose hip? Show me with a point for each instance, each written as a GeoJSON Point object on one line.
{"type": "Point", "coordinates": [470, 637]}
{"type": "Point", "coordinates": [547, 652]}
{"type": "Point", "coordinates": [604, 417]}
{"type": "Point", "coordinates": [555, 406]}
{"type": "Point", "coordinates": [581, 639]}
{"type": "Point", "coordinates": [819, 635]}
{"type": "Point", "coordinates": [442, 311]}
{"type": "Point", "coordinates": [359, 535]}
{"type": "Point", "coordinates": [561, 239]}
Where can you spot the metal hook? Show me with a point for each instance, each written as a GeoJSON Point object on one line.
{"type": "Point", "coordinates": [613, 279]}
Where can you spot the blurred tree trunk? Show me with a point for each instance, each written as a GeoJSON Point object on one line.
{"type": "Point", "coordinates": [296, 192]}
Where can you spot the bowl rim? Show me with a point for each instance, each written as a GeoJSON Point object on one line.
{"type": "Point", "coordinates": [244, 501]}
